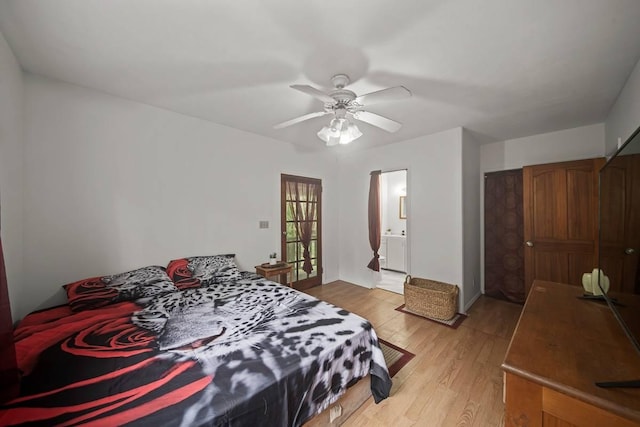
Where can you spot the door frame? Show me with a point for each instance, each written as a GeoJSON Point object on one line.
{"type": "Point", "coordinates": [407, 207]}
{"type": "Point", "coordinates": [312, 281]}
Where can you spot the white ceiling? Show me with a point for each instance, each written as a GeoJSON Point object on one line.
{"type": "Point", "coordinates": [502, 68]}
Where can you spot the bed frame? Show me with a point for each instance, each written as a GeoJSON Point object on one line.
{"type": "Point", "coordinates": [348, 403]}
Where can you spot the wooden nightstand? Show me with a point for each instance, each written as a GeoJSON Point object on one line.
{"type": "Point", "coordinates": [282, 269]}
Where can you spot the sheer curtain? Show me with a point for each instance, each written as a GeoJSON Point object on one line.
{"type": "Point", "coordinates": [8, 367]}
{"type": "Point", "coordinates": [306, 200]}
{"type": "Point", "coordinates": [374, 219]}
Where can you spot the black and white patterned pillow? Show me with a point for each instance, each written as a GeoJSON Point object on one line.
{"type": "Point", "coordinates": [203, 270]}
{"type": "Point", "coordinates": [95, 292]}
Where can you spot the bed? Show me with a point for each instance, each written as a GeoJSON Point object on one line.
{"type": "Point", "coordinates": [198, 351]}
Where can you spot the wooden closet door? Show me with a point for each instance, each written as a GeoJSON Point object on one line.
{"type": "Point", "coordinates": [560, 220]}
{"type": "Point", "coordinates": [503, 236]}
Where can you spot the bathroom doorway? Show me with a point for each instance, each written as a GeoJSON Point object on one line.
{"type": "Point", "coordinates": [393, 251]}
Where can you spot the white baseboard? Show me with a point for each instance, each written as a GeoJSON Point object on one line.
{"type": "Point", "coordinates": [470, 303]}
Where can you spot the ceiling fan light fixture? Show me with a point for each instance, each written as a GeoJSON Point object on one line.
{"type": "Point", "coordinates": [329, 134]}
{"type": "Point", "coordinates": [337, 125]}
{"type": "Point", "coordinates": [340, 102]}
{"type": "Point", "coordinates": [339, 131]}
{"type": "Point", "coordinates": [350, 134]}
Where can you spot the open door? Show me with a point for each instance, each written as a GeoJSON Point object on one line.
{"type": "Point", "coordinates": [301, 226]}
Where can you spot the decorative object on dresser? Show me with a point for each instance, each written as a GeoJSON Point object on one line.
{"type": "Point", "coordinates": [595, 283]}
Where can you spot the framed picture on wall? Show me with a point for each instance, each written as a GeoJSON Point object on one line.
{"type": "Point", "coordinates": [403, 209]}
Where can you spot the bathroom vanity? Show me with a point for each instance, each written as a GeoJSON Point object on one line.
{"type": "Point", "coordinates": [393, 252]}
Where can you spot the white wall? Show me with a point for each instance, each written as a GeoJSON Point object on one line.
{"type": "Point", "coordinates": [571, 144]}
{"type": "Point", "coordinates": [624, 117]}
{"type": "Point", "coordinates": [113, 185]}
{"type": "Point", "coordinates": [11, 170]}
{"type": "Point", "coordinates": [434, 206]}
{"type": "Point", "coordinates": [470, 217]}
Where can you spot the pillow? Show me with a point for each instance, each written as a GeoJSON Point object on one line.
{"type": "Point", "coordinates": [97, 292]}
{"type": "Point", "coordinates": [203, 270]}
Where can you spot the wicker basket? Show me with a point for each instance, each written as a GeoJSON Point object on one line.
{"type": "Point", "coordinates": [430, 298]}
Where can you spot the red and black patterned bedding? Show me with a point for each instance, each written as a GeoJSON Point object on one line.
{"type": "Point", "coordinates": [243, 352]}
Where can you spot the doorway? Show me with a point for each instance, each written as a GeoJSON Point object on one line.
{"type": "Point", "coordinates": [393, 225]}
{"type": "Point", "coordinates": [301, 228]}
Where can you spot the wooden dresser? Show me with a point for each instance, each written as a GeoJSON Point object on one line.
{"type": "Point", "coordinates": [561, 346]}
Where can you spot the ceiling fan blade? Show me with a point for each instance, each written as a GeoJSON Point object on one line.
{"type": "Point", "coordinates": [299, 119]}
{"type": "Point", "coordinates": [377, 120]}
{"type": "Point", "coordinates": [309, 90]}
{"type": "Point", "coordinates": [389, 94]}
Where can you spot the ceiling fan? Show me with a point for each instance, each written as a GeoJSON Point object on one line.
{"type": "Point", "coordinates": [342, 104]}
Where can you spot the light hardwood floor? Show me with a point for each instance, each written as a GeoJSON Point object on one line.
{"type": "Point", "coordinates": [455, 378]}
